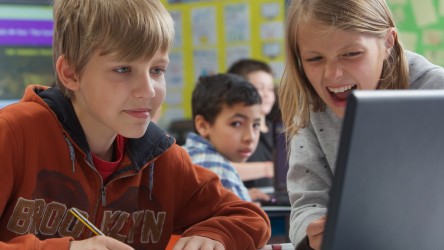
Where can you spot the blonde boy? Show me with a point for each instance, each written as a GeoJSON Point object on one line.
{"type": "Point", "coordinates": [88, 143]}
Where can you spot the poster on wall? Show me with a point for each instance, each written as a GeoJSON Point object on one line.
{"type": "Point", "coordinates": [174, 74]}
{"type": "Point", "coordinates": [187, 1]}
{"type": "Point", "coordinates": [178, 34]}
{"type": "Point", "coordinates": [205, 62]}
{"type": "Point", "coordinates": [235, 53]}
{"type": "Point", "coordinates": [203, 23]}
{"type": "Point", "coordinates": [237, 22]}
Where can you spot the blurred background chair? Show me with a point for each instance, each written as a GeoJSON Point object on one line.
{"type": "Point", "coordinates": [179, 130]}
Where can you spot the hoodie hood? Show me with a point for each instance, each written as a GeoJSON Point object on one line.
{"type": "Point", "coordinates": [154, 141]}
{"type": "Point", "coordinates": [66, 115]}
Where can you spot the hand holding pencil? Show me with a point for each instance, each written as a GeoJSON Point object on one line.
{"type": "Point", "coordinates": [98, 242]}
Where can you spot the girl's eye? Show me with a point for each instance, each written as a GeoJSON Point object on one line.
{"type": "Point", "coordinates": [314, 59]}
{"type": "Point", "coordinates": [122, 70]}
{"type": "Point", "coordinates": [257, 125]}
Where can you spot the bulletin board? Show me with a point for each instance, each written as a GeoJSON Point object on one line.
{"type": "Point", "coordinates": [211, 35]}
{"type": "Point", "coordinates": [421, 26]}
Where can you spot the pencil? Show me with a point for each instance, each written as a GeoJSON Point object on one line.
{"type": "Point", "coordinates": [85, 221]}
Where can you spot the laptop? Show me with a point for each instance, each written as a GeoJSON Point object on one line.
{"type": "Point", "coordinates": [279, 196]}
{"type": "Point", "coordinates": [388, 189]}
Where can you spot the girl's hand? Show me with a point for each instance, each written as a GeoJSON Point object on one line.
{"type": "Point", "coordinates": [315, 232]}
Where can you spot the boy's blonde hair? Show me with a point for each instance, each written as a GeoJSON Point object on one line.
{"type": "Point", "coordinates": [131, 28]}
{"type": "Point", "coordinates": [296, 95]}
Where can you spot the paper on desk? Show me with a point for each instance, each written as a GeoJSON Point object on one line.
{"type": "Point", "coordinates": [285, 246]}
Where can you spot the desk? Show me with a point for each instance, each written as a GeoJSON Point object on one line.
{"type": "Point", "coordinates": [285, 246]}
{"type": "Point", "coordinates": [277, 209]}
{"type": "Point", "coordinates": [280, 223]}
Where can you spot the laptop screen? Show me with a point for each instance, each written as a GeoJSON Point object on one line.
{"type": "Point", "coordinates": [388, 188]}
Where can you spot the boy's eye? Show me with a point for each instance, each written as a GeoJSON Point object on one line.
{"type": "Point", "coordinates": [351, 54]}
{"type": "Point", "coordinates": [158, 71]}
{"type": "Point", "coordinates": [122, 70]}
{"type": "Point", "coordinates": [235, 124]}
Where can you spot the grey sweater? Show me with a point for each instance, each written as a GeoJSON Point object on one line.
{"type": "Point", "coordinates": [313, 153]}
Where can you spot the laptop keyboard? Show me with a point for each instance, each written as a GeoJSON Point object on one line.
{"type": "Point", "coordinates": [277, 199]}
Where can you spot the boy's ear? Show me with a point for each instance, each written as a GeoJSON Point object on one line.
{"type": "Point", "coordinates": [66, 73]}
{"type": "Point", "coordinates": [201, 125]}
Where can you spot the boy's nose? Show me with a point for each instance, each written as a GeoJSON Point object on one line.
{"type": "Point", "coordinates": [145, 87]}
{"type": "Point", "coordinates": [250, 134]}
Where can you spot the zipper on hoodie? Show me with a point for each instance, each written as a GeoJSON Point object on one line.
{"type": "Point", "coordinates": [103, 195]}
{"type": "Point", "coordinates": [104, 186]}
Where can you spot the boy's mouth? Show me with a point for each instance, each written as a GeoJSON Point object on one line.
{"type": "Point", "coordinates": [341, 93]}
{"type": "Point", "coordinates": [246, 153]}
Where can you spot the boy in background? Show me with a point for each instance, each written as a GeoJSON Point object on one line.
{"type": "Point", "coordinates": [226, 112]}
{"type": "Point", "coordinates": [89, 143]}
{"type": "Point", "coordinates": [259, 170]}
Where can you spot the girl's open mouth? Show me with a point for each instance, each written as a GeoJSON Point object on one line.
{"type": "Point", "coordinates": [341, 93]}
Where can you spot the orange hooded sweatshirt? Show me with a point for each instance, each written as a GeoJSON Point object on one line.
{"type": "Point", "coordinates": [46, 169]}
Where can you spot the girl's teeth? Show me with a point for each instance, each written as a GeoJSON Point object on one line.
{"type": "Point", "coordinates": [340, 89]}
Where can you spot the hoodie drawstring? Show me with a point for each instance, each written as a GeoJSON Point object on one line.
{"type": "Point", "coordinates": [151, 179]}
{"type": "Point", "coordinates": [72, 154]}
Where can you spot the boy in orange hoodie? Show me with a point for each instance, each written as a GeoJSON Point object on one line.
{"type": "Point", "coordinates": [88, 143]}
